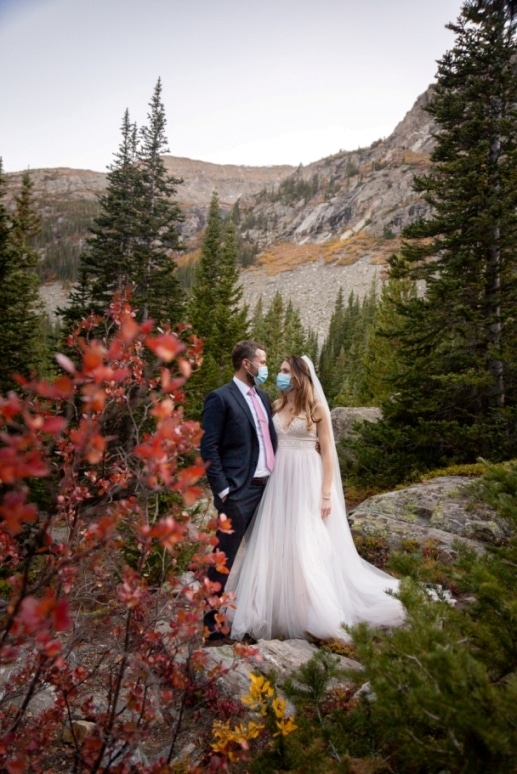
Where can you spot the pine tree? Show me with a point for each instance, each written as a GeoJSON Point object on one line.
{"type": "Point", "coordinates": [158, 293]}
{"type": "Point", "coordinates": [23, 350]}
{"type": "Point", "coordinates": [381, 364]}
{"type": "Point", "coordinates": [272, 334]}
{"type": "Point", "coordinates": [360, 321]}
{"type": "Point", "coordinates": [257, 321]}
{"type": "Point", "coordinates": [344, 352]}
{"type": "Point", "coordinates": [331, 348]}
{"type": "Point", "coordinates": [455, 397]}
{"type": "Point", "coordinates": [107, 266]}
{"type": "Point", "coordinates": [311, 347]}
{"type": "Point", "coordinates": [216, 312]}
{"type": "Point", "coordinates": [230, 314]}
{"type": "Point", "coordinates": [294, 337]}
{"type": "Point", "coordinates": [136, 235]}
{"type": "Point", "coordinates": [204, 296]}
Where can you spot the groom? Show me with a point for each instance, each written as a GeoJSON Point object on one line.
{"type": "Point", "coordinates": [237, 447]}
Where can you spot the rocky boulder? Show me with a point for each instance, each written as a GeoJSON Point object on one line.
{"type": "Point", "coordinates": [441, 510]}
{"type": "Point", "coordinates": [283, 657]}
{"type": "Point", "coordinates": [344, 421]}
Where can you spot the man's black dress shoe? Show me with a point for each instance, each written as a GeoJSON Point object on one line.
{"type": "Point", "coordinates": [216, 640]}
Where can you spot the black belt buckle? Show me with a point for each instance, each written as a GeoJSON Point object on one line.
{"type": "Point", "coordinates": [260, 481]}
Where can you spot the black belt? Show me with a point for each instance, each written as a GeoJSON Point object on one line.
{"type": "Point", "coordinates": [261, 481]}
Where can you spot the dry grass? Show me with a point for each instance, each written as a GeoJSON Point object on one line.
{"type": "Point", "coordinates": [285, 255]}
{"type": "Point", "coordinates": [347, 251]}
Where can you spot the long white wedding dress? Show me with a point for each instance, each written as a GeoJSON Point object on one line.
{"type": "Point", "coordinates": [297, 575]}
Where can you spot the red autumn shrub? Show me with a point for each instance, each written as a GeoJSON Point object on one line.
{"type": "Point", "coordinates": [100, 624]}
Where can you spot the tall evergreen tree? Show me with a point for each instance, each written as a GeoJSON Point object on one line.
{"type": "Point", "coordinates": [204, 295]}
{"type": "Point", "coordinates": [108, 264]}
{"type": "Point", "coordinates": [331, 348]}
{"type": "Point", "coordinates": [135, 237]}
{"type": "Point", "coordinates": [216, 311]}
{"type": "Point", "coordinates": [23, 350]}
{"type": "Point", "coordinates": [344, 352]}
{"type": "Point", "coordinates": [455, 397]}
{"type": "Point", "coordinates": [311, 347]}
{"type": "Point", "coordinates": [231, 314]}
{"type": "Point", "coordinates": [294, 337]}
{"type": "Point", "coordinates": [158, 293]}
{"type": "Point", "coordinates": [257, 320]}
{"type": "Point", "coordinates": [355, 354]}
{"type": "Point", "coordinates": [381, 362]}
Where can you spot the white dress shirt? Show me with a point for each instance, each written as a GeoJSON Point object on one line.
{"type": "Point", "coordinates": [262, 469]}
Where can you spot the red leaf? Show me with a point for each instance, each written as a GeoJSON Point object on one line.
{"type": "Point", "coordinates": [53, 424]}
{"type": "Point", "coordinates": [62, 619]}
{"type": "Point", "coordinates": [192, 495]}
{"type": "Point", "coordinates": [168, 532]}
{"type": "Point", "coordinates": [93, 357]}
{"type": "Point", "coordinates": [185, 367]}
{"type": "Point", "coordinates": [53, 648]}
{"type": "Point", "coordinates": [95, 450]}
{"type": "Point", "coordinates": [129, 329]}
{"type": "Point", "coordinates": [15, 512]}
{"type": "Point", "coordinates": [189, 476]}
{"type": "Point", "coordinates": [11, 406]}
{"type": "Point", "coordinates": [166, 347]}
{"type": "Point", "coordinates": [17, 765]}
{"type": "Point", "coordinates": [30, 614]}
{"type": "Point", "coordinates": [62, 387]}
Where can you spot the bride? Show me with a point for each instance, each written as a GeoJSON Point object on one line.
{"type": "Point", "coordinates": [298, 574]}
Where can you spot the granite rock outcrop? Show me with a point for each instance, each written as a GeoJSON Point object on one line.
{"type": "Point", "coordinates": [440, 511]}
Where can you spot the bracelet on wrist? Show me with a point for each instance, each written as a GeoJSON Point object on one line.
{"type": "Point", "coordinates": [325, 498]}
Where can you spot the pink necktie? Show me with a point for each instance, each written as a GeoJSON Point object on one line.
{"type": "Point", "coordinates": [264, 426]}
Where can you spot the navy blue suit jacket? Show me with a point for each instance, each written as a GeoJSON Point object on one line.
{"type": "Point", "coordinates": [229, 446]}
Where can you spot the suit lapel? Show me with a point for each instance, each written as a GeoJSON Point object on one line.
{"type": "Point", "coordinates": [241, 400]}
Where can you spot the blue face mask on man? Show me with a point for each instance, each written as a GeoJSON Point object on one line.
{"type": "Point", "coordinates": [261, 375]}
{"type": "Point", "coordinates": [283, 382]}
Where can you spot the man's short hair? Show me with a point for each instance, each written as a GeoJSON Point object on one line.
{"type": "Point", "coordinates": [244, 350]}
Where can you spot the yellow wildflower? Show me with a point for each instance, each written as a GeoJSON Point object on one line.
{"type": "Point", "coordinates": [279, 706]}
{"type": "Point", "coordinates": [226, 739]}
{"type": "Point", "coordinates": [260, 689]}
{"type": "Point", "coordinates": [285, 726]}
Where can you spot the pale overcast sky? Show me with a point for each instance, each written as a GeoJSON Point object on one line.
{"type": "Point", "coordinates": [252, 82]}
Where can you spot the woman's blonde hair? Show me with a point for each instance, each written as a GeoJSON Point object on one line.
{"type": "Point", "coordinates": [304, 401]}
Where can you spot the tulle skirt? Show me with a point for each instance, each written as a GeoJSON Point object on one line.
{"type": "Point", "coordinates": [297, 575]}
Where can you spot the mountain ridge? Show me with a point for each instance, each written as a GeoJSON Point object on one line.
{"type": "Point", "coordinates": [345, 209]}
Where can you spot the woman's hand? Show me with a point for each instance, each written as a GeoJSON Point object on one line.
{"type": "Point", "coordinates": [324, 440]}
{"type": "Point", "coordinates": [325, 506]}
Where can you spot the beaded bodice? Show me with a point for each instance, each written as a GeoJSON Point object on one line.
{"type": "Point", "coordinates": [296, 434]}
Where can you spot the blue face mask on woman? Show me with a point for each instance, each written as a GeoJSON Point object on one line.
{"type": "Point", "coordinates": [283, 382]}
